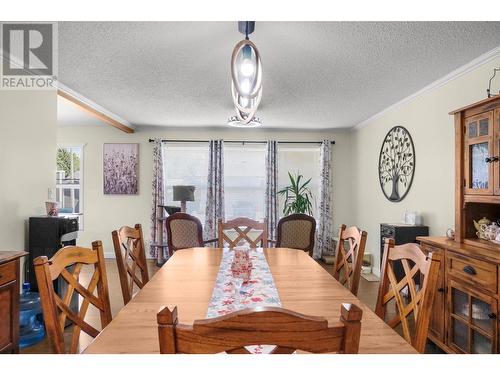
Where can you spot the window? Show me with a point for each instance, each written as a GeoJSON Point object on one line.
{"type": "Point", "coordinates": [69, 180]}
{"type": "Point", "coordinates": [244, 175]}
{"type": "Point", "coordinates": [304, 159]}
{"type": "Point", "coordinates": [244, 180]}
{"type": "Point", "coordinates": [187, 164]}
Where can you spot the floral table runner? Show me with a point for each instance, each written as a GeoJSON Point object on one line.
{"type": "Point", "coordinates": [230, 294]}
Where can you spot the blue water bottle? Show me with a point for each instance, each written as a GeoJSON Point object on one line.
{"type": "Point", "coordinates": [31, 329]}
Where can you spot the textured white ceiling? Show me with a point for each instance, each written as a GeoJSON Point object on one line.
{"type": "Point", "coordinates": [316, 74]}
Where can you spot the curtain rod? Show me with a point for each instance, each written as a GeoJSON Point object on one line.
{"type": "Point", "coordinates": [257, 142]}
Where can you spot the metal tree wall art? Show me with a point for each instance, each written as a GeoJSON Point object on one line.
{"type": "Point", "coordinates": [396, 164]}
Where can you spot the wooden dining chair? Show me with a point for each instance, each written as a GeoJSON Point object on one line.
{"type": "Point", "coordinates": [56, 309]}
{"type": "Point", "coordinates": [413, 309]}
{"type": "Point", "coordinates": [296, 231]}
{"type": "Point", "coordinates": [184, 231]}
{"type": "Point", "coordinates": [349, 257]}
{"type": "Point", "coordinates": [242, 227]}
{"type": "Point", "coordinates": [130, 259]}
{"type": "Point", "coordinates": [286, 329]}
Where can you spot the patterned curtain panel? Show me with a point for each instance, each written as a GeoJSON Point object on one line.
{"type": "Point", "coordinates": [271, 187]}
{"type": "Point", "coordinates": [325, 221]}
{"type": "Point", "coordinates": [215, 188]}
{"type": "Point", "coordinates": [158, 231]}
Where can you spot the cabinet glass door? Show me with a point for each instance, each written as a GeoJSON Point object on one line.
{"type": "Point", "coordinates": [473, 321]}
{"type": "Point", "coordinates": [479, 151]}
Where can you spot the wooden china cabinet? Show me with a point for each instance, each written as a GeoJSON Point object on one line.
{"type": "Point", "coordinates": [465, 313]}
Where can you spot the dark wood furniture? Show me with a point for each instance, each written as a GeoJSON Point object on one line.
{"type": "Point", "coordinates": [288, 330]}
{"type": "Point", "coordinates": [242, 227]}
{"type": "Point", "coordinates": [130, 259]}
{"type": "Point", "coordinates": [46, 236]}
{"type": "Point", "coordinates": [465, 312]}
{"type": "Point", "coordinates": [349, 257]}
{"type": "Point", "coordinates": [184, 231]}
{"type": "Point", "coordinates": [296, 231]}
{"type": "Point", "coordinates": [56, 309]}
{"type": "Point", "coordinates": [413, 311]}
{"type": "Point", "coordinates": [9, 300]}
{"type": "Point", "coordinates": [401, 234]}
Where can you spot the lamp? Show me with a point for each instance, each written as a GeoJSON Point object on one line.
{"type": "Point", "coordinates": [183, 194]}
{"type": "Point", "coordinates": [246, 76]}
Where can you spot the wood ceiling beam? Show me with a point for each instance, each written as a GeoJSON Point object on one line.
{"type": "Point", "coordinates": [94, 111]}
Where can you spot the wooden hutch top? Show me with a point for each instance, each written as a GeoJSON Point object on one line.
{"type": "Point", "coordinates": [477, 170]}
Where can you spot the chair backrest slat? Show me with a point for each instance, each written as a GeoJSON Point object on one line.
{"type": "Point", "coordinates": [410, 300]}
{"type": "Point", "coordinates": [57, 310]}
{"type": "Point", "coordinates": [296, 231]}
{"type": "Point", "coordinates": [131, 259]}
{"type": "Point", "coordinates": [243, 227]}
{"type": "Point", "coordinates": [286, 329]}
{"type": "Point", "coordinates": [349, 257]}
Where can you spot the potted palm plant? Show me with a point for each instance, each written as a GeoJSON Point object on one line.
{"type": "Point", "coordinates": [298, 196]}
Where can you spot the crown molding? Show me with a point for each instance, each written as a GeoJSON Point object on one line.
{"type": "Point", "coordinates": [464, 69]}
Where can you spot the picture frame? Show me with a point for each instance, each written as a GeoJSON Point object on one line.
{"type": "Point", "coordinates": [120, 168]}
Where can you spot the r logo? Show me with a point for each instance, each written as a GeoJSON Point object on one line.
{"type": "Point", "coordinates": [27, 49]}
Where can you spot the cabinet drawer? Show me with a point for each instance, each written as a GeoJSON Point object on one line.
{"type": "Point", "coordinates": [7, 272]}
{"type": "Point", "coordinates": [475, 272]}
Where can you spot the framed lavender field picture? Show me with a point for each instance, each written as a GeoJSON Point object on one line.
{"type": "Point", "coordinates": [120, 168]}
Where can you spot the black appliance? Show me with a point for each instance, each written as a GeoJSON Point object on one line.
{"type": "Point", "coordinates": [401, 234]}
{"type": "Point", "coordinates": [47, 234]}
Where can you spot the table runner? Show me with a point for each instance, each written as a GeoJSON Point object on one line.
{"type": "Point", "coordinates": [259, 290]}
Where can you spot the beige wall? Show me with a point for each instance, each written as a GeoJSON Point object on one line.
{"type": "Point", "coordinates": [105, 213]}
{"type": "Point", "coordinates": [427, 119]}
{"type": "Point", "coordinates": [28, 133]}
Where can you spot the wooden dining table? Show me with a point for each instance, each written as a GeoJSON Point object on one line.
{"type": "Point", "coordinates": [187, 281]}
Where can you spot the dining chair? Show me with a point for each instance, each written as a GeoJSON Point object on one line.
{"type": "Point", "coordinates": [286, 329]}
{"type": "Point", "coordinates": [349, 257]}
{"type": "Point", "coordinates": [130, 259]}
{"type": "Point", "coordinates": [296, 231]}
{"type": "Point", "coordinates": [56, 309]}
{"type": "Point", "coordinates": [183, 232]}
{"type": "Point", "coordinates": [242, 227]}
{"type": "Point", "coordinates": [413, 294]}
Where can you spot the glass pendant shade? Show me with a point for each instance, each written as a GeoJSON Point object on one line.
{"type": "Point", "coordinates": [246, 84]}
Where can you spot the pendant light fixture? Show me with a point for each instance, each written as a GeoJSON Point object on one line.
{"type": "Point", "coordinates": [246, 79]}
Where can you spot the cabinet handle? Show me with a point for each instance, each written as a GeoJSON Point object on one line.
{"type": "Point", "coordinates": [488, 160]}
{"type": "Point", "coordinates": [470, 270]}
{"type": "Point", "coordinates": [441, 290]}
{"type": "Point", "coordinates": [494, 158]}
{"type": "Point", "coordinates": [492, 315]}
